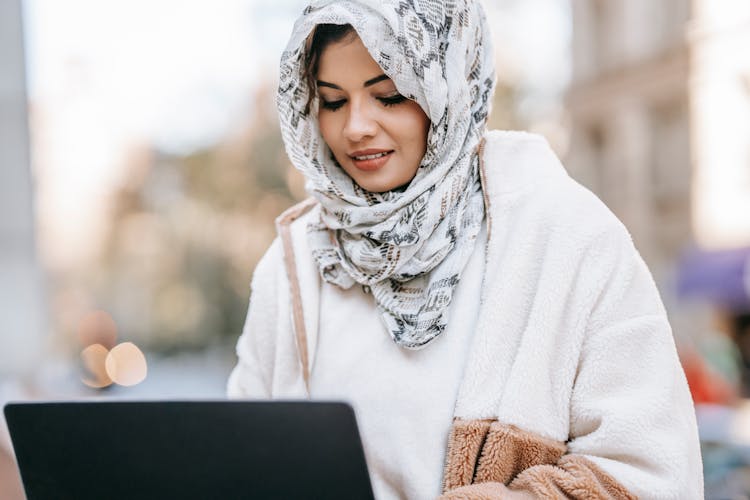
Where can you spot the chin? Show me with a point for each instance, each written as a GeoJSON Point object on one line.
{"type": "Point", "coordinates": [382, 184]}
{"type": "Point", "coordinates": [379, 187]}
{"type": "Point", "coordinates": [373, 188]}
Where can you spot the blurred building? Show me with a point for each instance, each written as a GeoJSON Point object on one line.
{"type": "Point", "coordinates": [660, 121]}
{"type": "Point", "coordinates": [720, 126]}
{"type": "Point", "coordinates": [22, 323]}
{"type": "Point", "coordinates": [629, 106]}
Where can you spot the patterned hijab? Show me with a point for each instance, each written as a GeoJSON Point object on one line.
{"type": "Point", "coordinates": [409, 246]}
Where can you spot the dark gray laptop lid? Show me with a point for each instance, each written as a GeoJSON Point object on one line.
{"type": "Point", "coordinates": [188, 450]}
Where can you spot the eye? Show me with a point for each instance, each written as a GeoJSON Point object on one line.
{"type": "Point", "coordinates": [332, 105]}
{"type": "Point", "coordinates": [392, 100]}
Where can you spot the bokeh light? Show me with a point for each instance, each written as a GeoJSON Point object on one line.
{"type": "Point", "coordinates": [93, 360]}
{"type": "Point", "coordinates": [126, 365]}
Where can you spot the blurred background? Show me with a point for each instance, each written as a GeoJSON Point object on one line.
{"type": "Point", "coordinates": [142, 169]}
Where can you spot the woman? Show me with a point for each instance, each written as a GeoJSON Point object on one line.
{"type": "Point", "coordinates": [488, 318]}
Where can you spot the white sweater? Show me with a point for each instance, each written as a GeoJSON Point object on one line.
{"type": "Point", "coordinates": [390, 386]}
{"type": "Point", "coordinates": [571, 349]}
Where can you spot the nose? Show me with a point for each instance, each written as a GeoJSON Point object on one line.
{"type": "Point", "coordinates": [360, 122]}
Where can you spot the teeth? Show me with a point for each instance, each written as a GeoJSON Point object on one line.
{"type": "Point", "coordinates": [370, 157]}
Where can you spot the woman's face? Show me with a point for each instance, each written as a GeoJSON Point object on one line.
{"type": "Point", "coordinates": [377, 135]}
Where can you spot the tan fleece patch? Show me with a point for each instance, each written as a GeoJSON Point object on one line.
{"type": "Point", "coordinates": [484, 456]}
{"type": "Point", "coordinates": [485, 491]}
{"type": "Point", "coordinates": [574, 476]}
{"type": "Point", "coordinates": [482, 451]}
{"type": "Point", "coordinates": [509, 450]}
{"type": "Point", "coordinates": [464, 445]}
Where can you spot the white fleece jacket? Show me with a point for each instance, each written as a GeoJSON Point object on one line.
{"type": "Point", "coordinates": [572, 343]}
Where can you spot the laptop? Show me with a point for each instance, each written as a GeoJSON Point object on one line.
{"type": "Point", "coordinates": [188, 450]}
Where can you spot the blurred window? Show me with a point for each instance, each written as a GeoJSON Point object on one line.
{"type": "Point", "coordinates": [670, 18]}
{"type": "Point", "coordinates": [594, 151]}
{"type": "Point", "coordinates": [671, 175]}
{"type": "Point", "coordinates": [602, 27]}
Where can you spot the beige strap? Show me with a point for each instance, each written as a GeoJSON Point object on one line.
{"type": "Point", "coordinates": [482, 175]}
{"type": "Point", "coordinates": [283, 224]}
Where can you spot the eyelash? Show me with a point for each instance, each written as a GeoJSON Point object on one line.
{"type": "Point", "coordinates": [386, 101]}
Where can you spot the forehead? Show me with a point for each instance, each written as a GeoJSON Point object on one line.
{"type": "Point", "coordinates": [347, 59]}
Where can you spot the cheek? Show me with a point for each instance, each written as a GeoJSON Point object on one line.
{"type": "Point", "coordinates": [413, 126]}
{"type": "Point", "coordinates": [424, 130]}
{"type": "Point", "coordinates": [327, 126]}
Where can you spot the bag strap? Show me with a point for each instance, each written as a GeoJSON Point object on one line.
{"type": "Point", "coordinates": [283, 226]}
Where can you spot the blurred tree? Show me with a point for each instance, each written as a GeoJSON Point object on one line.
{"type": "Point", "coordinates": [186, 233]}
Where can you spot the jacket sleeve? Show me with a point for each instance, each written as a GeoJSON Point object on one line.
{"type": "Point", "coordinates": [632, 423]}
{"type": "Point", "coordinates": [631, 414]}
{"type": "Point", "coordinates": [251, 377]}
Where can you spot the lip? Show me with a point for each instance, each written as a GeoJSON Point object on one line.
{"type": "Point", "coordinates": [371, 151]}
{"type": "Point", "coordinates": [374, 164]}
{"type": "Point", "coordinates": [370, 165]}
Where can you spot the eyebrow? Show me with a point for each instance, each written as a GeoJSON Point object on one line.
{"type": "Point", "coordinates": [371, 81]}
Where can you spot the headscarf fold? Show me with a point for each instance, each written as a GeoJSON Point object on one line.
{"type": "Point", "coordinates": [409, 246]}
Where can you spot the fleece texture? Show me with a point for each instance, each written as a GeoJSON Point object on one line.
{"type": "Point", "coordinates": [571, 344]}
{"type": "Point", "coordinates": [483, 451]}
{"type": "Point", "coordinates": [484, 454]}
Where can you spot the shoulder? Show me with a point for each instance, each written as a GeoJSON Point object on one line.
{"type": "Point", "coordinates": [515, 160]}
{"type": "Point", "coordinates": [524, 179]}
{"type": "Point", "coordinates": [291, 227]}
{"type": "Point", "coordinates": [269, 269]}
{"type": "Point", "coordinates": [297, 215]}
{"type": "Point", "coordinates": [539, 214]}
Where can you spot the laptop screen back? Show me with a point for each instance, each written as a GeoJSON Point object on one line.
{"type": "Point", "coordinates": [182, 449]}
